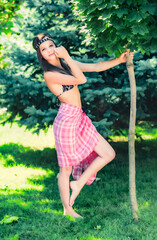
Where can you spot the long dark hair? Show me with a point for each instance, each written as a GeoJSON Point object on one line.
{"type": "Point", "coordinates": [45, 65]}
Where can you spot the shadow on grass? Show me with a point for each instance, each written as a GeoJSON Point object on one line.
{"type": "Point", "coordinates": [16, 154]}
{"type": "Point", "coordinates": [104, 204]}
{"type": "Point", "coordinates": [39, 209]}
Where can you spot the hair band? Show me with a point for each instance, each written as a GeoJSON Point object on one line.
{"type": "Point", "coordinates": [43, 40]}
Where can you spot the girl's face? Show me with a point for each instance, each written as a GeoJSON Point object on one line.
{"type": "Point", "coordinates": [47, 50]}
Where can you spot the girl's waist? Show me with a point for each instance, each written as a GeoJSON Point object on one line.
{"type": "Point", "coordinates": [69, 109]}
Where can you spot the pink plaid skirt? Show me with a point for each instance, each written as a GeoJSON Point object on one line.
{"type": "Point", "coordinates": [75, 138]}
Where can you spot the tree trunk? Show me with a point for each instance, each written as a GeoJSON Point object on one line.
{"type": "Point", "coordinates": [131, 138]}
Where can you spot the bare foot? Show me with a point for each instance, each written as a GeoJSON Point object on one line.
{"type": "Point", "coordinates": [75, 191]}
{"type": "Point", "coordinates": [70, 211]}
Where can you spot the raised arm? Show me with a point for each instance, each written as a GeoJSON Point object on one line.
{"type": "Point", "coordinates": [102, 66]}
{"type": "Point", "coordinates": [59, 78]}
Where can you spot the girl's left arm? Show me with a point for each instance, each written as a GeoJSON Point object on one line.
{"type": "Point", "coordinates": [102, 66]}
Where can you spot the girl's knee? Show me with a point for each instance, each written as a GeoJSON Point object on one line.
{"type": "Point", "coordinates": [112, 154]}
{"type": "Point", "coordinates": [109, 156]}
{"type": "Point", "coordinates": [104, 149]}
{"type": "Point", "coordinates": [66, 170]}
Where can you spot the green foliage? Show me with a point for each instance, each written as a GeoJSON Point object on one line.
{"type": "Point", "coordinates": [33, 105]}
{"type": "Point", "coordinates": [9, 219]}
{"type": "Point", "coordinates": [146, 75]}
{"type": "Point", "coordinates": [111, 25]}
{"type": "Point", "coordinates": [106, 95]}
{"type": "Point", "coordinates": [28, 96]}
{"type": "Point", "coordinates": [7, 12]}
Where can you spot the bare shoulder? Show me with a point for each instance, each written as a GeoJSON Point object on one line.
{"type": "Point", "coordinates": [59, 78]}
{"type": "Point", "coordinates": [48, 75]}
{"type": "Point", "coordinates": [53, 77]}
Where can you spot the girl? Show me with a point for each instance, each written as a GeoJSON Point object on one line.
{"type": "Point", "coordinates": [78, 143]}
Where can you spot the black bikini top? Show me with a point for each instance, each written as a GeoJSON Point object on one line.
{"type": "Point", "coordinates": [65, 88]}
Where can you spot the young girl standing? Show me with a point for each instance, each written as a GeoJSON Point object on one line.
{"type": "Point", "coordinates": [78, 143]}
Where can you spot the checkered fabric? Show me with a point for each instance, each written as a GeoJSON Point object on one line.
{"type": "Point", "coordinates": [77, 170]}
{"type": "Point", "coordinates": [75, 137]}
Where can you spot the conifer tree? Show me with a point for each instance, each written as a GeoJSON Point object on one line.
{"type": "Point", "coordinates": [23, 90]}
{"type": "Point", "coordinates": [106, 94]}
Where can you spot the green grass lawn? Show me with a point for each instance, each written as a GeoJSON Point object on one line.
{"type": "Point", "coordinates": [28, 190]}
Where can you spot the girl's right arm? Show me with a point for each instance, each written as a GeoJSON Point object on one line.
{"type": "Point", "coordinates": [59, 78]}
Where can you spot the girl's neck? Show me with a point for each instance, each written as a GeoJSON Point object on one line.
{"type": "Point", "coordinates": [56, 63]}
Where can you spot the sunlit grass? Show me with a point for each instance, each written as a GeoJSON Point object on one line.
{"type": "Point", "coordinates": [144, 133]}
{"type": "Point", "coordinates": [29, 190]}
{"type": "Point", "coordinates": [17, 134]}
{"type": "Point", "coordinates": [147, 133]}
{"type": "Point", "coordinates": [145, 205]}
{"type": "Point", "coordinates": [19, 177]}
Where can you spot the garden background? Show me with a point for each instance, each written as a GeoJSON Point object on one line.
{"type": "Point", "coordinates": [29, 194]}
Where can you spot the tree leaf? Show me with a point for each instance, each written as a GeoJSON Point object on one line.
{"type": "Point", "coordinates": [139, 29]}
{"type": "Point", "coordinates": [106, 13]}
{"type": "Point", "coordinates": [151, 8]}
{"type": "Point", "coordinates": [120, 12]}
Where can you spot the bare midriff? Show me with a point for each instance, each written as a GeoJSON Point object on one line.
{"type": "Point", "coordinates": [71, 97]}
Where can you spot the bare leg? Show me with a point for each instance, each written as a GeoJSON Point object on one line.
{"type": "Point", "coordinates": [106, 154]}
{"type": "Point", "coordinates": [63, 183]}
